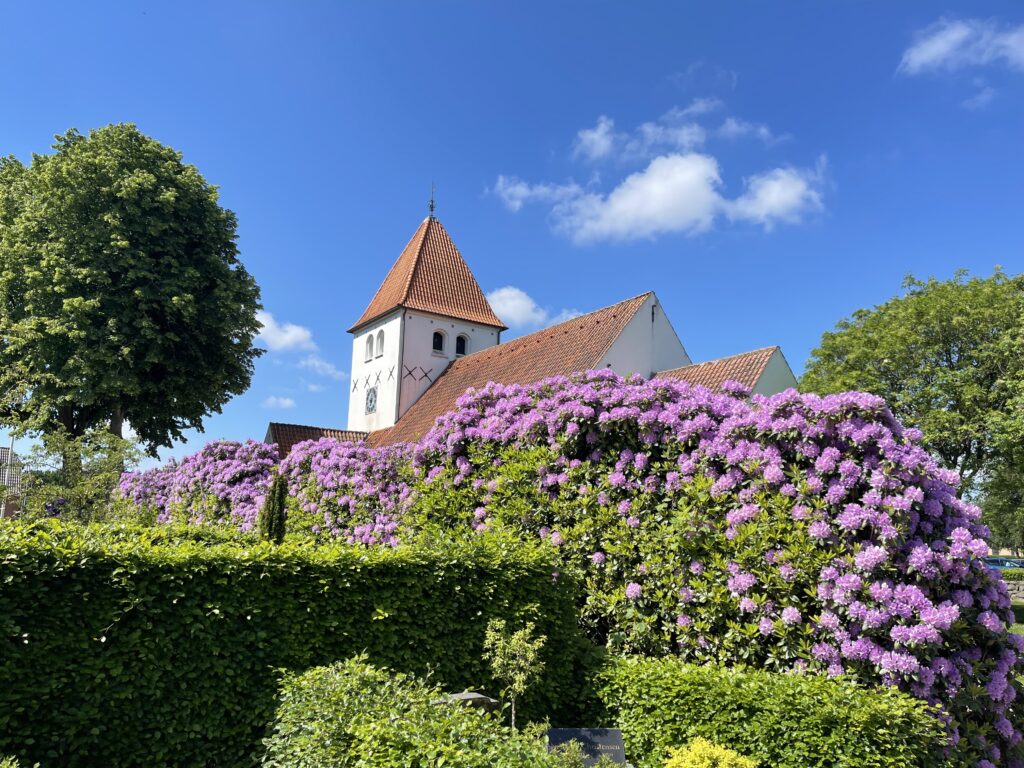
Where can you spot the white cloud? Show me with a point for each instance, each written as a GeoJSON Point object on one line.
{"type": "Point", "coordinates": [597, 142]}
{"type": "Point", "coordinates": [734, 128]}
{"type": "Point", "coordinates": [675, 193]}
{"type": "Point", "coordinates": [680, 189]}
{"type": "Point", "coordinates": [681, 193]}
{"type": "Point", "coordinates": [514, 192]}
{"type": "Point", "coordinates": [698, 107]}
{"type": "Point", "coordinates": [517, 308]}
{"type": "Point", "coordinates": [283, 337]}
{"type": "Point", "coordinates": [982, 97]}
{"type": "Point", "coordinates": [279, 403]}
{"type": "Point", "coordinates": [782, 194]}
{"type": "Point", "coordinates": [951, 44]}
{"type": "Point", "coordinates": [319, 366]}
{"type": "Point", "coordinates": [311, 387]}
{"type": "Point", "coordinates": [563, 315]}
{"type": "Point", "coordinates": [674, 131]}
{"type": "Point", "coordinates": [650, 139]}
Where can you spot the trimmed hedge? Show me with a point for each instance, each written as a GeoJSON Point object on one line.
{"type": "Point", "coordinates": [1012, 574]}
{"type": "Point", "coordinates": [782, 720]}
{"type": "Point", "coordinates": [352, 715]}
{"type": "Point", "coordinates": [130, 647]}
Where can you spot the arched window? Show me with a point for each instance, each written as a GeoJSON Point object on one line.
{"type": "Point", "coordinates": [438, 343]}
{"type": "Point", "coordinates": [369, 348]}
{"type": "Point", "coordinates": [461, 345]}
{"type": "Point", "coordinates": [380, 343]}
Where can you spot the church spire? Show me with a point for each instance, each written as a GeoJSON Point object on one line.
{"type": "Point", "coordinates": [430, 205]}
{"type": "Point", "coordinates": [430, 275]}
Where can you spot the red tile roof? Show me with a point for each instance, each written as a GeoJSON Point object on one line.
{"type": "Point", "coordinates": [287, 435]}
{"type": "Point", "coordinates": [746, 368]}
{"type": "Point", "coordinates": [431, 275]}
{"type": "Point", "coordinates": [575, 345]}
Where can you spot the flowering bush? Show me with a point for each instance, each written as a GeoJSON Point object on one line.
{"type": "Point", "coordinates": [790, 532]}
{"type": "Point", "coordinates": [337, 488]}
{"type": "Point", "coordinates": [347, 489]}
{"type": "Point", "coordinates": [225, 481]}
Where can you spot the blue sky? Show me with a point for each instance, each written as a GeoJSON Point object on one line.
{"type": "Point", "coordinates": [766, 168]}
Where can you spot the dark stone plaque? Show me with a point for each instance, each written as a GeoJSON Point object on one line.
{"type": "Point", "coordinates": [596, 742]}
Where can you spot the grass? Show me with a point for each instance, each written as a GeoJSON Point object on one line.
{"type": "Point", "coordinates": [1018, 612]}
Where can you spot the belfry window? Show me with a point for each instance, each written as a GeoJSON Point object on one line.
{"type": "Point", "coordinates": [461, 345]}
{"type": "Point", "coordinates": [438, 342]}
{"type": "Point", "coordinates": [380, 343]}
{"type": "Point", "coordinates": [369, 348]}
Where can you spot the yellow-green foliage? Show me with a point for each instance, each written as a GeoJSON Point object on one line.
{"type": "Point", "coordinates": [701, 753]}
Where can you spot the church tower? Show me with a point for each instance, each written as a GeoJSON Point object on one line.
{"type": "Point", "coordinates": [428, 311]}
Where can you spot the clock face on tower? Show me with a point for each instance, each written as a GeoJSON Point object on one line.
{"type": "Point", "coordinates": [371, 400]}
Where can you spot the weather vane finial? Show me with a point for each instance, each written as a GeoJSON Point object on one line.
{"type": "Point", "coordinates": [431, 205]}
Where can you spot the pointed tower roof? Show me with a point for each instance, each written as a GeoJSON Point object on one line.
{"type": "Point", "coordinates": [431, 275]}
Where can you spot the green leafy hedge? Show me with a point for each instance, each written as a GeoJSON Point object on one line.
{"type": "Point", "coordinates": [352, 715]}
{"type": "Point", "coordinates": [1012, 574]}
{"type": "Point", "coordinates": [130, 647]}
{"type": "Point", "coordinates": [782, 720]}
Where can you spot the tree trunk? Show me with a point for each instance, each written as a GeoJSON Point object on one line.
{"type": "Point", "coordinates": [117, 423]}
{"type": "Point", "coordinates": [71, 460]}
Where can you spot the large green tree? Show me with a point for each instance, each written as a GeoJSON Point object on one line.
{"type": "Point", "coordinates": [121, 293]}
{"type": "Point", "coordinates": [1002, 501]}
{"type": "Point", "coordinates": [948, 356]}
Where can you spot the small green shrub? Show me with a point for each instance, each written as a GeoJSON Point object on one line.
{"type": "Point", "coordinates": [782, 720]}
{"type": "Point", "coordinates": [270, 522]}
{"type": "Point", "coordinates": [352, 715]}
{"type": "Point", "coordinates": [159, 646]}
{"type": "Point", "coordinates": [1012, 574]}
{"type": "Point", "coordinates": [514, 658]}
{"type": "Point", "coordinates": [701, 753]}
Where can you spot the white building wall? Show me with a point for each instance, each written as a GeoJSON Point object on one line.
{"type": "Point", "coordinates": [777, 376]}
{"type": "Point", "coordinates": [647, 344]}
{"type": "Point", "coordinates": [421, 365]}
{"type": "Point", "coordinates": [382, 371]}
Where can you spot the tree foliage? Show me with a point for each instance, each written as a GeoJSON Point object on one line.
{"type": "Point", "coordinates": [1003, 504]}
{"type": "Point", "coordinates": [947, 357]}
{"type": "Point", "coordinates": [121, 292]}
{"type": "Point", "coordinates": [79, 489]}
{"type": "Point", "coordinates": [514, 657]}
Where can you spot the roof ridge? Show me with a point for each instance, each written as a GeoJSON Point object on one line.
{"type": "Point", "coordinates": [547, 330]}
{"type": "Point", "coordinates": [637, 309]}
{"type": "Point", "coordinates": [310, 426]}
{"type": "Point", "coordinates": [726, 357]}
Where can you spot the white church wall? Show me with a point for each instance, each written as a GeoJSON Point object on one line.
{"type": "Point", "coordinates": [421, 365]}
{"type": "Point", "coordinates": [777, 376]}
{"type": "Point", "coordinates": [647, 344]}
{"type": "Point", "coordinates": [380, 371]}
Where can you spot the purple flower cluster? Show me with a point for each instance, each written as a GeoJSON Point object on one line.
{"type": "Point", "coordinates": [873, 565]}
{"type": "Point", "coordinates": [350, 490]}
{"type": "Point", "coordinates": [795, 531]}
{"type": "Point", "coordinates": [224, 482]}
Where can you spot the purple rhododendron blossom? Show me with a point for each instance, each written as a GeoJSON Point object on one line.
{"type": "Point", "coordinates": [865, 532]}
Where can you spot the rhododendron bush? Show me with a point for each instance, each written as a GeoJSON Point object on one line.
{"type": "Point", "coordinates": [346, 489]}
{"type": "Point", "coordinates": [791, 531]}
{"type": "Point", "coordinates": [225, 481]}
{"type": "Point", "coordinates": [787, 532]}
